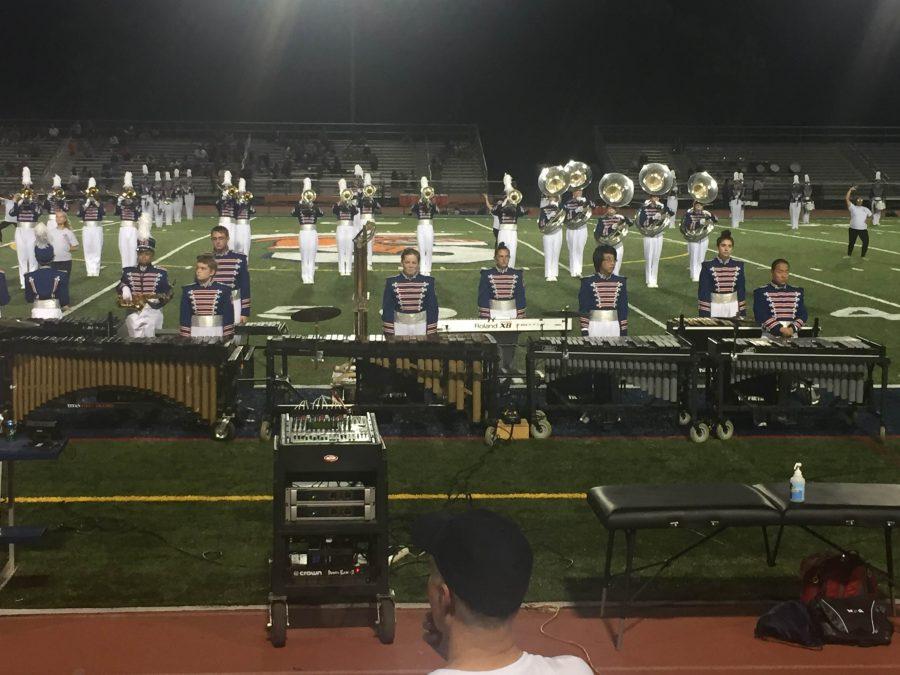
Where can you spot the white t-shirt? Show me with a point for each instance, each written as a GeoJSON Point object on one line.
{"type": "Point", "coordinates": [858, 215]}
{"type": "Point", "coordinates": [530, 664]}
{"type": "Point", "coordinates": [62, 239]}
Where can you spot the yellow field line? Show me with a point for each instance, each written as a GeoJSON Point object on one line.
{"type": "Point", "coordinates": [402, 496]}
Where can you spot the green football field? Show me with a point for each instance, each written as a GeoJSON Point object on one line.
{"type": "Point", "coordinates": [189, 521]}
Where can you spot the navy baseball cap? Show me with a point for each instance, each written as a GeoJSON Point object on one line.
{"type": "Point", "coordinates": [483, 557]}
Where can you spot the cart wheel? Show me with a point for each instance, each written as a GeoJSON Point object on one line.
{"type": "Point", "coordinates": [278, 629]}
{"type": "Point", "coordinates": [386, 623]}
{"type": "Point", "coordinates": [882, 433]}
{"type": "Point", "coordinates": [699, 432]}
{"type": "Point", "coordinates": [541, 429]}
{"type": "Point", "coordinates": [490, 436]}
{"type": "Point", "coordinates": [223, 429]}
{"type": "Point", "coordinates": [265, 430]}
{"type": "Point", "coordinates": [725, 430]}
{"type": "Point", "coordinates": [684, 418]}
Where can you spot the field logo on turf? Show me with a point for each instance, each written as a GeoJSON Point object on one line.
{"type": "Point", "coordinates": [448, 249]}
{"type": "Point", "coordinates": [864, 313]}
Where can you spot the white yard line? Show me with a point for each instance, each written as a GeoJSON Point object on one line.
{"type": "Point", "coordinates": [631, 306]}
{"type": "Point", "coordinates": [106, 290]}
{"type": "Point", "coordinates": [800, 276]}
{"type": "Point", "coordinates": [824, 241]}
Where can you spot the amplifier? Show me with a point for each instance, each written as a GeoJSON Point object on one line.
{"type": "Point", "coordinates": [319, 511]}
{"type": "Point", "coordinates": [304, 493]}
{"type": "Point", "coordinates": [330, 558]}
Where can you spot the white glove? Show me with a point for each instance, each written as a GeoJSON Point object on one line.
{"type": "Point", "coordinates": [126, 293]}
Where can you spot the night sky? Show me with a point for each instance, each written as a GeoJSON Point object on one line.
{"type": "Point", "coordinates": [535, 76]}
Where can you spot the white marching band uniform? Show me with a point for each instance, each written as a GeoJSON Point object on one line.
{"type": "Point", "coordinates": [357, 191]}
{"type": "Point", "coordinates": [144, 323]}
{"type": "Point", "coordinates": [697, 249]}
{"type": "Point", "coordinates": [367, 208]}
{"type": "Point", "coordinates": [92, 212]}
{"type": "Point", "coordinates": [736, 204]}
{"type": "Point", "coordinates": [168, 202]}
{"type": "Point", "coordinates": [576, 237]}
{"type": "Point", "coordinates": [159, 209]}
{"type": "Point", "coordinates": [226, 205]}
{"type": "Point", "coordinates": [242, 212]}
{"type": "Point", "coordinates": [189, 197]}
{"type": "Point", "coordinates": [552, 242]}
{"type": "Point", "coordinates": [796, 204]}
{"type": "Point", "coordinates": [509, 213]}
{"type": "Point", "coordinates": [343, 232]}
{"type": "Point", "coordinates": [146, 196]}
{"type": "Point", "coordinates": [177, 197]}
{"type": "Point", "coordinates": [129, 212]}
{"type": "Point", "coordinates": [307, 215]}
{"type": "Point", "coordinates": [808, 203]}
{"type": "Point", "coordinates": [651, 211]}
{"type": "Point", "coordinates": [876, 197]}
{"type": "Point", "coordinates": [26, 215]}
{"type": "Point", "coordinates": [672, 204]}
{"type": "Point", "coordinates": [424, 212]}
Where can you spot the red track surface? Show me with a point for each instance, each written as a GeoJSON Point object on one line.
{"type": "Point", "coordinates": [235, 641]}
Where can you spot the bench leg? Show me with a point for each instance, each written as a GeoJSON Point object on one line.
{"type": "Point", "coordinates": [610, 539]}
{"type": "Point", "coordinates": [629, 563]}
{"type": "Point", "coordinates": [772, 552]}
{"type": "Point", "coordinates": [889, 560]}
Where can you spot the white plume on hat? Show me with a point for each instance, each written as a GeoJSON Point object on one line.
{"type": "Point", "coordinates": [342, 185]}
{"type": "Point", "coordinates": [158, 178]}
{"type": "Point", "coordinates": [367, 179]}
{"type": "Point", "coordinates": [507, 183]}
{"type": "Point", "coordinates": [168, 176]}
{"type": "Point", "coordinates": [57, 181]}
{"type": "Point", "coordinates": [227, 178]}
{"type": "Point", "coordinates": [796, 179]}
{"type": "Point", "coordinates": [307, 184]}
{"type": "Point", "coordinates": [145, 169]}
{"type": "Point", "coordinates": [806, 178]}
{"type": "Point", "coordinates": [358, 171]}
{"type": "Point", "coordinates": [177, 173]}
{"type": "Point", "coordinates": [423, 182]}
{"type": "Point", "coordinates": [41, 236]}
{"type": "Point", "coordinates": [126, 182]}
{"type": "Point", "coordinates": [143, 228]}
{"type": "Point", "coordinates": [741, 175]}
{"type": "Point", "coordinates": [877, 175]}
{"type": "Point", "coordinates": [189, 174]}
{"type": "Point", "coordinates": [736, 176]}
{"type": "Point", "coordinates": [242, 185]}
{"type": "Point", "coordinates": [26, 176]}
{"type": "Point", "coordinates": [92, 182]}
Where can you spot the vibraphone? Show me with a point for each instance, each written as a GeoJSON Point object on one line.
{"type": "Point", "coordinates": [68, 326]}
{"type": "Point", "coordinates": [44, 371]}
{"type": "Point", "coordinates": [587, 374]}
{"type": "Point", "coordinates": [699, 329]}
{"type": "Point", "coordinates": [761, 373]}
{"type": "Point", "coordinates": [459, 370]}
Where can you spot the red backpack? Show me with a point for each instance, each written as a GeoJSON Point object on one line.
{"type": "Point", "coordinates": [836, 575]}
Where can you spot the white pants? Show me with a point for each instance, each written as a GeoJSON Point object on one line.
{"type": "Point", "coordinates": [876, 216]}
{"type": "Point", "coordinates": [242, 236]}
{"type": "Point", "coordinates": [603, 328]}
{"type": "Point", "coordinates": [727, 310]}
{"type": "Point", "coordinates": [552, 247]}
{"type": "Point", "coordinates": [145, 323]}
{"type": "Point", "coordinates": [176, 209]}
{"type": "Point", "coordinates": [804, 216]}
{"type": "Point", "coordinates": [236, 308]}
{"type": "Point", "coordinates": [189, 206]}
{"type": "Point", "coordinates": [92, 239]}
{"type": "Point", "coordinates": [25, 251]}
{"type": "Point", "coordinates": [575, 241]}
{"type": "Point", "coordinates": [370, 246]}
{"type": "Point", "coordinates": [128, 243]}
{"type": "Point", "coordinates": [147, 204]}
{"type": "Point", "coordinates": [696, 255]}
{"type": "Point", "coordinates": [228, 224]}
{"type": "Point", "coordinates": [425, 241]}
{"type": "Point", "coordinates": [207, 331]}
{"type": "Point", "coordinates": [652, 251]}
{"type": "Point", "coordinates": [159, 215]}
{"type": "Point", "coordinates": [41, 313]}
{"type": "Point", "coordinates": [344, 235]}
{"type": "Point", "coordinates": [168, 213]}
{"type": "Point", "coordinates": [737, 211]}
{"type": "Point", "coordinates": [510, 238]}
{"type": "Point", "coordinates": [410, 328]}
{"type": "Point", "coordinates": [672, 205]}
{"type": "Point", "coordinates": [794, 209]}
{"type": "Point", "coordinates": [309, 247]}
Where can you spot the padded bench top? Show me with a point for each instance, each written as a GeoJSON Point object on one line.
{"type": "Point", "coordinates": [837, 503]}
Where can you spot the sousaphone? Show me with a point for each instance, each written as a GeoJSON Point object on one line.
{"type": "Point", "coordinates": [656, 180]}
{"type": "Point", "coordinates": [617, 190]}
{"type": "Point", "coordinates": [552, 182]}
{"type": "Point", "coordinates": [704, 189]}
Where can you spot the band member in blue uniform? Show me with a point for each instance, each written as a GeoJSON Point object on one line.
{"type": "Point", "coordinates": [508, 212]}
{"type": "Point", "coordinates": [206, 308]}
{"type": "Point", "coordinates": [55, 201]}
{"type": "Point", "coordinates": [576, 235]}
{"type": "Point", "coordinates": [501, 289]}
{"type": "Point", "coordinates": [652, 211]}
{"type": "Point", "coordinates": [243, 209]}
{"type": "Point", "coordinates": [368, 207]}
{"type": "Point", "coordinates": [778, 307]}
{"type": "Point", "coordinates": [159, 201]}
{"type": "Point", "coordinates": [549, 212]}
{"type": "Point", "coordinates": [231, 271]}
{"type": "Point", "coordinates": [345, 211]}
{"type": "Point", "coordinates": [46, 288]}
{"type": "Point", "coordinates": [147, 205]}
{"type": "Point", "coordinates": [225, 205]}
{"type": "Point", "coordinates": [607, 225]}
{"type": "Point", "coordinates": [128, 208]}
{"type": "Point", "coordinates": [722, 292]}
{"type": "Point", "coordinates": [736, 202]}
{"type": "Point", "coordinates": [26, 211]}
{"type": "Point", "coordinates": [189, 197]}
{"type": "Point", "coordinates": [177, 196]}
{"type": "Point", "coordinates": [144, 279]}
{"type": "Point", "coordinates": [672, 202]}
{"type": "Point", "coordinates": [808, 203]}
{"type": "Point", "coordinates": [876, 199]}
{"type": "Point", "coordinates": [796, 204]}
{"type": "Point", "coordinates": [603, 298]}
{"type": "Point", "coordinates": [4, 291]}
{"type": "Point", "coordinates": [91, 212]}
{"type": "Point", "coordinates": [424, 211]}
{"type": "Point", "coordinates": [307, 214]}
{"type": "Point", "coordinates": [695, 219]}
{"type": "Point", "coordinates": [409, 305]}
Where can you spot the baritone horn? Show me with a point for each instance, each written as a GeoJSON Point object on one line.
{"type": "Point", "coordinates": [656, 179]}
{"type": "Point", "coordinates": [703, 187]}
{"type": "Point", "coordinates": [308, 196]}
{"type": "Point", "coordinates": [427, 193]}
{"type": "Point", "coordinates": [616, 189]}
{"type": "Point", "coordinates": [514, 197]}
{"type": "Point", "coordinates": [346, 195]}
{"type": "Point", "coordinates": [369, 191]}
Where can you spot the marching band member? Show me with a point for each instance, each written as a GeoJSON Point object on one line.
{"type": "Point", "coordinates": [721, 292]}
{"type": "Point", "coordinates": [424, 211]}
{"type": "Point", "coordinates": [501, 289]}
{"type": "Point", "coordinates": [55, 201]}
{"type": "Point", "coordinates": [876, 199]}
{"type": "Point", "coordinates": [243, 209]}
{"type": "Point", "coordinates": [189, 196]}
{"type": "Point", "coordinates": [143, 279]}
{"type": "Point", "coordinates": [26, 211]}
{"type": "Point", "coordinates": [307, 214]}
{"type": "Point", "coordinates": [672, 202]}
{"type": "Point", "coordinates": [695, 219]}
{"type": "Point", "coordinates": [735, 204]}
{"type": "Point", "coordinates": [368, 207]}
{"type": "Point", "coordinates": [177, 197]}
{"type": "Point", "coordinates": [231, 271]}
{"type": "Point", "coordinates": [345, 211]}
{"type": "Point", "coordinates": [357, 194]}
{"type": "Point", "coordinates": [495, 220]}
{"type": "Point", "coordinates": [796, 204]}
{"type": "Point", "coordinates": [46, 288]}
{"type": "Point", "coordinates": [508, 212]}
{"type": "Point", "coordinates": [8, 217]}
{"type": "Point", "coordinates": [92, 212]}
{"type": "Point", "coordinates": [651, 211]}
{"type": "Point", "coordinates": [858, 227]}
{"type": "Point", "coordinates": [778, 307]}
{"type": "Point", "coordinates": [159, 208]}
{"type": "Point", "coordinates": [607, 224]}
{"type": "Point", "coordinates": [4, 291]}
{"type": "Point", "coordinates": [603, 298]}
{"type": "Point", "coordinates": [129, 210]}
{"type": "Point", "coordinates": [226, 204]}
{"type": "Point", "coordinates": [409, 305]}
{"type": "Point", "coordinates": [553, 241]}
{"type": "Point", "coordinates": [206, 308]}
{"type": "Point", "coordinates": [168, 201]}
{"type": "Point", "coordinates": [63, 241]}
{"type": "Point", "coordinates": [576, 237]}
{"type": "Point", "coordinates": [146, 191]}
{"type": "Point", "coordinates": [807, 200]}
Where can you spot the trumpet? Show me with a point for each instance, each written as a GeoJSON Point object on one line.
{"type": "Point", "coordinates": [245, 197]}
{"type": "Point", "coordinates": [427, 193]}
{"type": "Point", "coordinates": [308, 196]}
{"type": "Point", "coordinates": [368, 191]}
{"type": "Point", "coordinates": [57, 194]}
{"type": "Point", "coordinates": [26, 195]}
{"type": "Point", "coordinates": [229, 191]}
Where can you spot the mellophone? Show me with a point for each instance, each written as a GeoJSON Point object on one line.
{"type": "Point", "coordinates": [42, 371]}
{"type": "Point", "coordinates": [459, 370]}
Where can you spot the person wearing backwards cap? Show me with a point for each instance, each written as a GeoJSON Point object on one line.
{"type": "Point", "coordinates": [480, 568]}
{"type": "Point", "coordinates": [46, 288]}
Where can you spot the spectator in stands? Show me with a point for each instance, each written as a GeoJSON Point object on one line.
{"type": "Point", "coordinates": [76, 128]}
{"type": "Point", "coordinates": [53, 131]}
{"type": "Point", "coordinates": [373, 162]}
{"type": "Point", "coordinates": [757, 188]}
{"type": "Point", "coordinates": [73, 180]}
{"type": "Point", "coordinates": [480, 567]}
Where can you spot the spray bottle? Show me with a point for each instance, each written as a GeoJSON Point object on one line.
{"type": "Point", "coordinates": [798, 485]}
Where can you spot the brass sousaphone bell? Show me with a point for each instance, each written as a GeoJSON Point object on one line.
{"type": "Point", "coordinates": [703, 188]}
{"type": "Point", "coordinates": [552, 182]}
{"type": "Point", "coordinates": [655, 179]}
{"type": "Point", "coordinates": [617, 190]}
{"type": "Point", "coordinates": [579, 177]}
